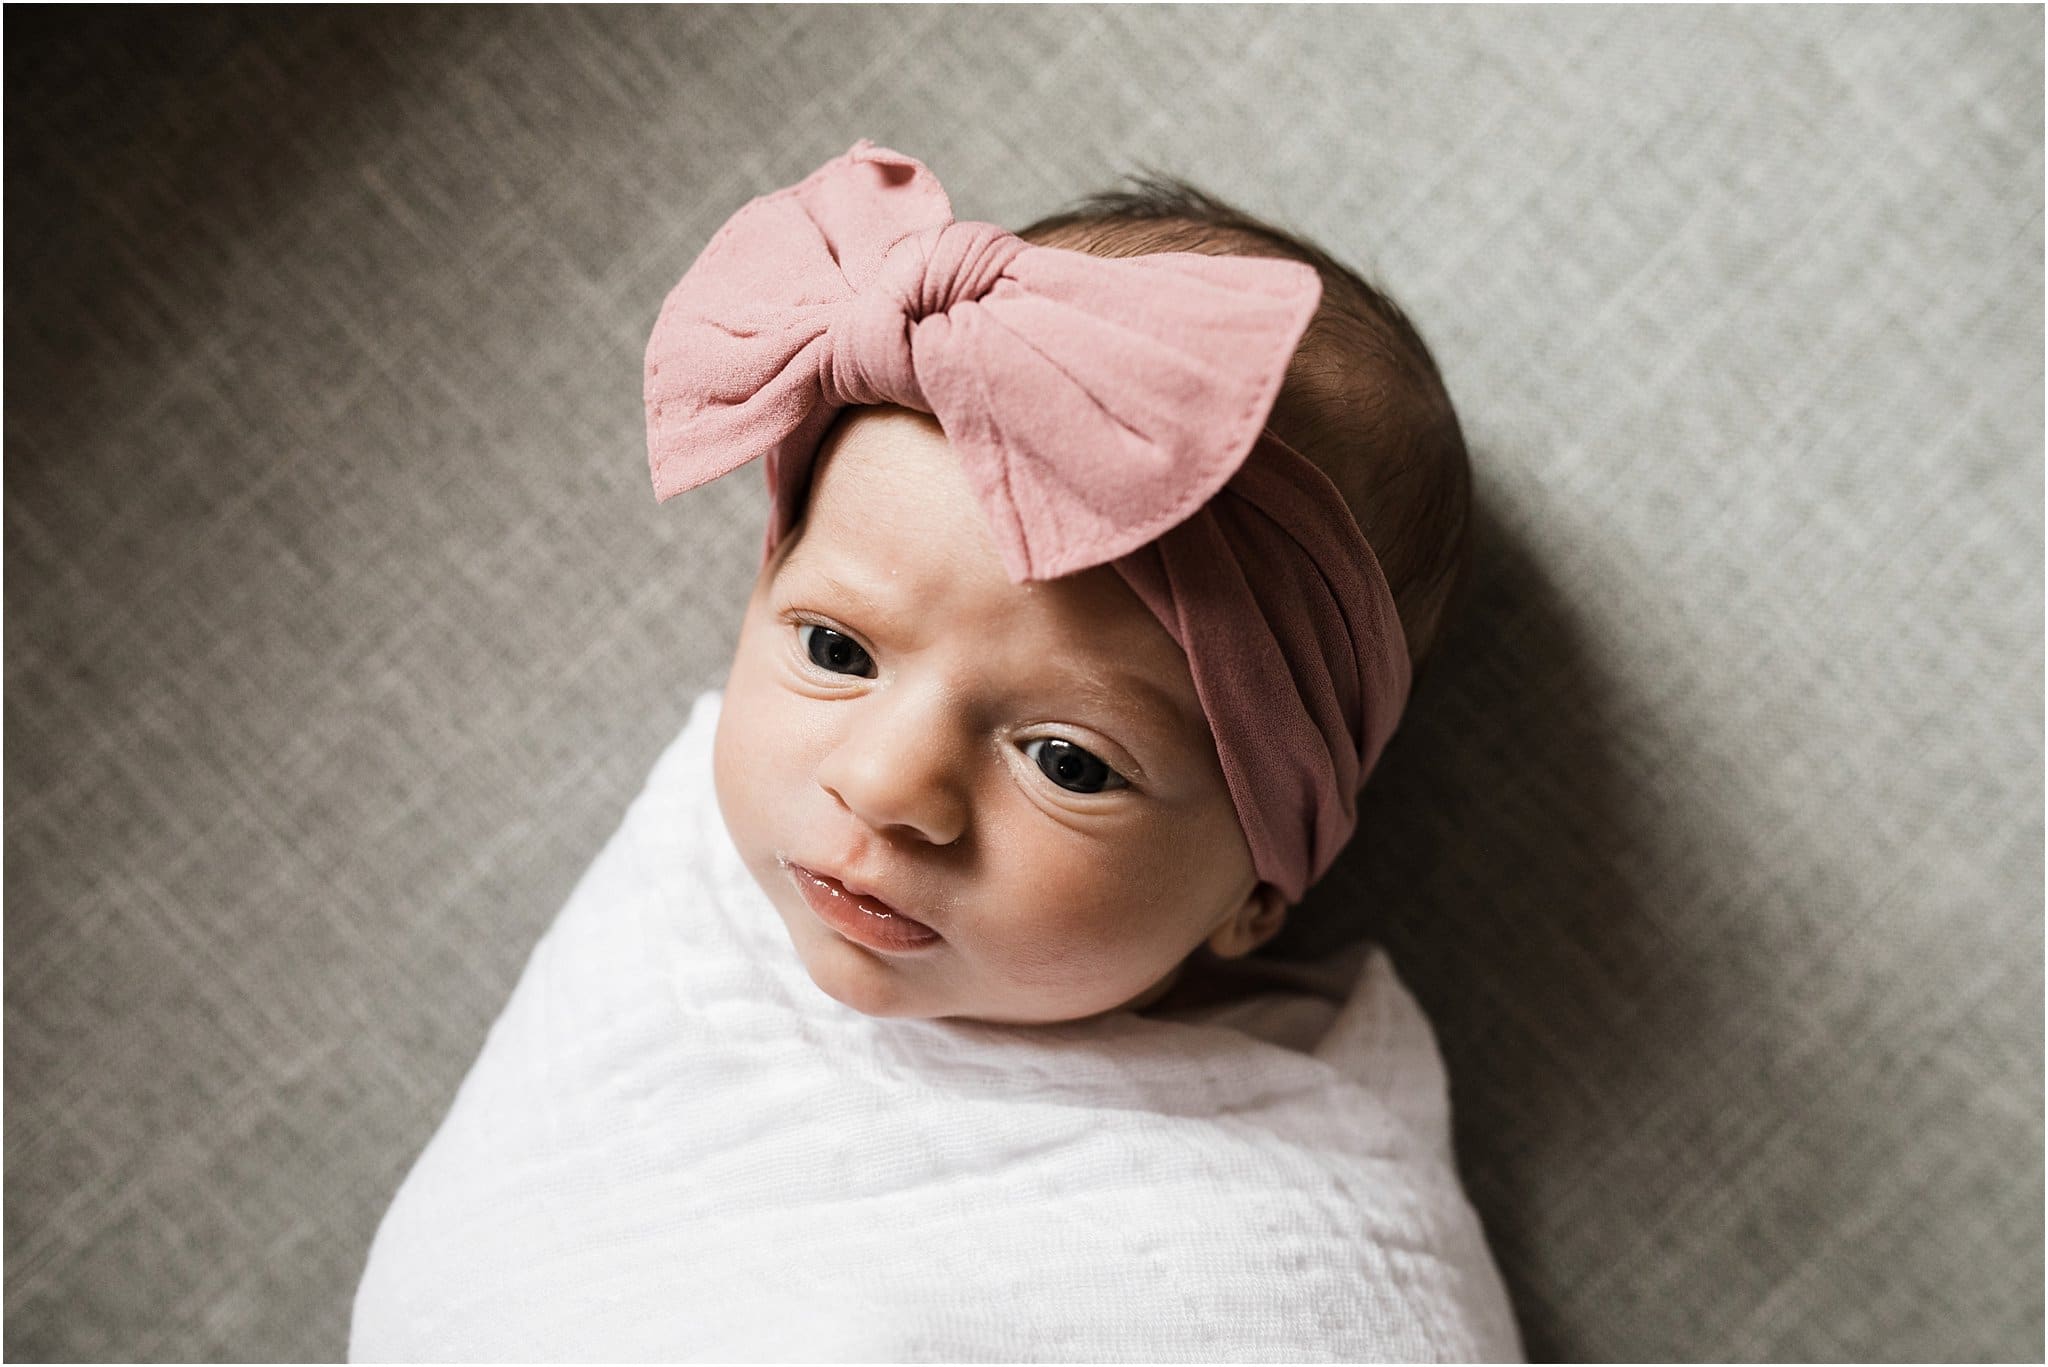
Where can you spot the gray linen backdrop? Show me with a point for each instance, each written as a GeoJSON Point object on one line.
{"type": "Point", "coordinates": [341, 622]}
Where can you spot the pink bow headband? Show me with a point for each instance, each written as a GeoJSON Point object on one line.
{"type": "Point", "coordinates": [1104, 410]}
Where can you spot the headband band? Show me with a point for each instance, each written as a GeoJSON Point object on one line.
{"type": "Point", "coordinates": [1104, 410]}
{"type": "Point", "coordinates": [1296, 650]}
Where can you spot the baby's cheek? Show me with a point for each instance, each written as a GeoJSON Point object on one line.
{"type": "Point", "coordinates": [1091, 910]}
{"type": "Point", "coordinates": [728, 768]}
{"type": "Point", "coordinates": [750, 765]}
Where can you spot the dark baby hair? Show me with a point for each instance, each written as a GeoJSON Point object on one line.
{"type": "Point", "coordinates": [1362, 398]}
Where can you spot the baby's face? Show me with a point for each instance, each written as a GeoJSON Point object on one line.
{"type": "Point", "coordinates": [1022, 768]}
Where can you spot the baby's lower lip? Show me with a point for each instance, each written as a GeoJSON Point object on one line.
{"type": "Point", "coordinates": [860, 919]}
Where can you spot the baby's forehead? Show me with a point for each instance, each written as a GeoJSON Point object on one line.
{"type": "Point", "coordinates": [1092, 616]}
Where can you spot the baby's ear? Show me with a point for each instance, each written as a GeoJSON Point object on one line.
{"type": "Point", "coordinates": [1251, 925]}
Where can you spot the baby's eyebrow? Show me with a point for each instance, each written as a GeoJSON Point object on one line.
{"type": "Point", "coordinates": [840, 586]}
{"type": "Point", "coordinates": [1136, 695]}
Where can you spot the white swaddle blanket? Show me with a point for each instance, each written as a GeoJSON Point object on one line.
{"type": "Point", "coordinates": [675, 1146]}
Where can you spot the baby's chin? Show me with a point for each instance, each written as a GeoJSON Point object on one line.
{"type": "Point", "coordinates": [852, 976]}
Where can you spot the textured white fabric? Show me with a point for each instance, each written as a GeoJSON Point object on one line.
{"type": "Point", "coordinates": [675, 1146]}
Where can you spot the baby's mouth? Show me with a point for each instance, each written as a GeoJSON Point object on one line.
{"type": "Point", "coordinates": [857, 916]}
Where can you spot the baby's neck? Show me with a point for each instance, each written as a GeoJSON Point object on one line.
{"type": "Point", "coordinates": [1205, 980]}
{"type": "Point", "coordinates": [1201, 980]}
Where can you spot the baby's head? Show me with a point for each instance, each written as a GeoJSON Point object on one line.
{"type": "Point", "coordinates": [978, 798]}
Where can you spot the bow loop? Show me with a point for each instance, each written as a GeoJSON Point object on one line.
{"type": "Point", "coordinates": [735, 365]}
{"type": "Point", "coordinates": [1097, 402]}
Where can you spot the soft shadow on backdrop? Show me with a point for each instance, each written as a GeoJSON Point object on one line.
{"type": "Point", "coordinates": [341, 623]}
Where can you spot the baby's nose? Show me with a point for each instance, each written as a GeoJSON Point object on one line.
{"type": "Point", "coordinates": [900, 768]}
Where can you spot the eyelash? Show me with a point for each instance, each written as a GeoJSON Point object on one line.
{"type": "Point", "coordinates": [1118, 780]}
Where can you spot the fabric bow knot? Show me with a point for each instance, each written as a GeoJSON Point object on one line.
{"type": "Point", "coordinates": [870, 360]}
{"type": "Point", "coordinates": [1104, 410]}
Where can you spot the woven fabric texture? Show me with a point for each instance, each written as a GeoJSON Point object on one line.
{"type": "Point", "coordinates": [341, 622]}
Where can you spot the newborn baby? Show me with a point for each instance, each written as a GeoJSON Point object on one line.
{"type": "Point", "coordinates": [972, 797]}
{"type": "Point", "coordinates": [909, 1014]}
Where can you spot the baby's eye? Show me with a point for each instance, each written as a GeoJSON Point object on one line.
{"type": "Point", "coordinates": [830, 650]}
{"type": "Point", "coordinates": [1073, 768]}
